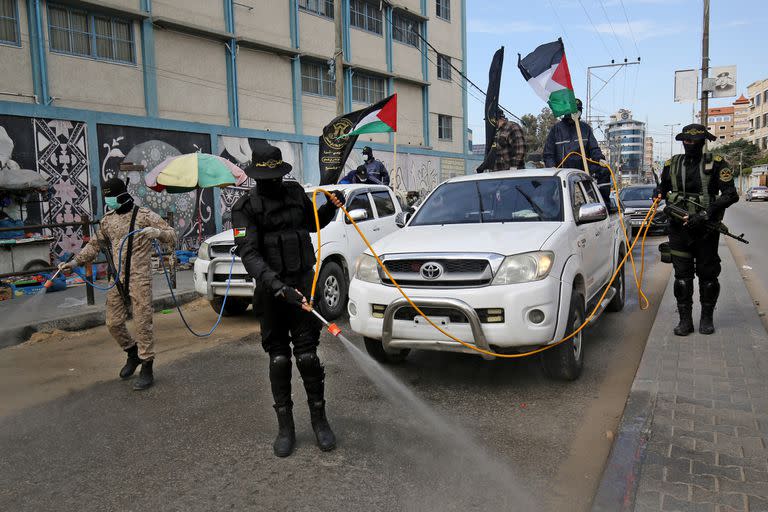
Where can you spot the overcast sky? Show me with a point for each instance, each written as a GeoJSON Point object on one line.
{"type": "Point", "coordinates": [666, 34]}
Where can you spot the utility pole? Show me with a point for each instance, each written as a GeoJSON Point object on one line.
{"type": "Point", "coordinates": [671, 137]}
{"type": "Point", "coordinates": [705, 65]}
{"type": "Point", "coordinates": [590, 96]}
{"type": "Point", "coordinates": [338, 57]}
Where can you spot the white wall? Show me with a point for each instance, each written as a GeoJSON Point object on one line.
{"type": "Point", "coordinates": [264, 91]}
{"type": "Point", "coordinates": [317, 112]}
{"type": "Point", "coordinates": [368, 49]}
{"type": "Point", "coordinates": [17, 63]}
{"type": "Point", "coordinates": [203, 13]}
{"type": "Point", "coordinates": [317, 34]}
{"type": "Point", "coordinates": [191, 78]}
{"type": "Point", "coordinates": [409, 114]}
{"type": "Point", "coordinates": [267, 21]}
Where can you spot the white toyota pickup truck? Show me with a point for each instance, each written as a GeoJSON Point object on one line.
{"type": "Point", "coordinates": [508, 261]}
{"type": "Point", "coordinates": [374, 208]}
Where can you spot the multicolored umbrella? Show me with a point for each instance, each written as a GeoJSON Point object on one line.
{"type": "Point", "coordinates": [185, 173]}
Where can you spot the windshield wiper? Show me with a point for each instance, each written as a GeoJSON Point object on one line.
{"type": "Point", "coordinates": [535, 207]}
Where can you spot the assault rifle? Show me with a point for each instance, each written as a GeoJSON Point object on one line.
{"type": "Point", "coordinates": [672, 210]}
{"type": "Point", "coordinates": [106, 248]}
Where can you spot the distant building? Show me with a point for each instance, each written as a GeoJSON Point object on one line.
{"type": "Point", "coordinates": [626, 139]}
{"type": "Point", "coordinates": [648, 159]}
{"type": "Point", "coordinates": [720, 123]}
{"type": "Point", "coordinates": [758, 113]}
{"type": "Point", "coordinates": [741, 118]}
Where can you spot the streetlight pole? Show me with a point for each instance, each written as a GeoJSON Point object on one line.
{"type": "Point", "coordinates": [705, 65]}
{"type": "Point", "coordinates": [589, 82]}
{"type": "Point", "coordinates": [671, 137]}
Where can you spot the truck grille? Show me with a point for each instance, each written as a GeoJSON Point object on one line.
{"type": "Point", "coordinates": [456, 273]}
{"type": "Point", "coordinates": [220, 250]}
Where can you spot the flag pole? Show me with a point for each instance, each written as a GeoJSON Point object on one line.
{"type": "Point", "coordinates": [575, 118]}
{"type": "Point", "coordinates": [394, 163]}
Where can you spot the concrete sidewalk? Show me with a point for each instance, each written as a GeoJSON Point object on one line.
{"type": "Point", "coordinates": [67, 310]}
{"type": "Point", "coordinates": [694, 434]}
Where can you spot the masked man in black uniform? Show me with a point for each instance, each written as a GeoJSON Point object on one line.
{"type": "Point", "coordinates": [272, 225]}
{"type": "Point", "coordinates": [702, 184]}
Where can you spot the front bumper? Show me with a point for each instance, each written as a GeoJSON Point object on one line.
{"type": "Point", "coordinates": [516, 333]}
{"type": "Point", "coordinates": [210, 278]}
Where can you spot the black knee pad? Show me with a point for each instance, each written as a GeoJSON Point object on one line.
{"type": "Point", "coordinates": [280, 367]}
{"type": "Point", "coordinates": [684, 290]}
{"type": "Point", "coordinates": [709, 291]}
{"type": "Point", "coordinates": [309, 365]}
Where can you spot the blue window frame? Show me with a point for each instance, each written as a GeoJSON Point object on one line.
{"type": "Point", "coordinates": [77, 32]}
{"type": "Point", "coordinates": [9, 22]}
{"type": "Point", "coordinates": [316, 79]}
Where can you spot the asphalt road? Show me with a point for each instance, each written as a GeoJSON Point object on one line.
{"type": "Point", "coordinates": [478, 436]}
{"type": "Point", "coordinates": [751, 218]}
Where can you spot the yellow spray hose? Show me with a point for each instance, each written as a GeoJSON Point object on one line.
{"type": "Point", "coordinates": [643, 232]}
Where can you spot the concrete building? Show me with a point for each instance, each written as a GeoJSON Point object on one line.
{"type": "Point", "coordinates": [757, 92]}
{"type": "Point", "coordinates": [720, 122]}
{"type": "Point", "coordinates": [115, 82]}
{"type": "Point", "coordinates": [741, 118]}
{"type": "Point", "coordinates": [626, 139]}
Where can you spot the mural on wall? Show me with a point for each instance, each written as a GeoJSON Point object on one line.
{"type": "Point", "coordinates": [238, 150]}
{"type": "Point", "coordinates": [193, 211]}
{"type": "Point", "coordinates": [57, 149]}
{"type": "Point", "coordinates": [414, 173]}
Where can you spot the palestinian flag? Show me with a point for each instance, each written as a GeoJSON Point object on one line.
{"type": "Point", "coordinates": [546, 70]}
{"type": "Point", "coordinates": [382, 118]}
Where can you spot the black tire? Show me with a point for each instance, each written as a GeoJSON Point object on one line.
{"type": "Point", "coordinates": [565, 361]}
{"type": "Point", "coordinates": [36, 265]}
{"type": "Point", "coordinates": [234, 306]}
{"type": "Point", "coordinates": [376, 350]}
{"type": "Point", "coordinates": [331, 293]}
{"type": "Point", "coordinates": [617, 303]}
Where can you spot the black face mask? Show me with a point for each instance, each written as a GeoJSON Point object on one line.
{"type": "Point", "coordinates": [270, 188]}
{"type": "Point", "coordinates": [693, 151]}
{"type": "Point", "coordinates": [126, 203]}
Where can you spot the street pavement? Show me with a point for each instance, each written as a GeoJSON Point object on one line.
{"type": "Point", "coordinates": [502, 437]}
{"type": "Point", "coordinates": [698, 413]}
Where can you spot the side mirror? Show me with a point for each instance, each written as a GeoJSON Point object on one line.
{"type": "Point", "coordinates": [402, 218]}
{"type": "Point", "coordinates": [591, 212]}
{"type": "Point", "coordinates": [359, 215]}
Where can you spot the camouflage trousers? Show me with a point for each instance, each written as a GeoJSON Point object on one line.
{"type": "Point", "coordinates": [141, 305]}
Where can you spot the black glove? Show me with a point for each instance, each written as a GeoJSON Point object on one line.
{"type": "Point", "coordinates": [291, 296]}
{"type": "Point", "coordinates": [697, 219]}
{"type": "Point", "coordinates": [339, 195]}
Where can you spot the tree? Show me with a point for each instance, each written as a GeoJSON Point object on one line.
{"type": "Point", "coordinates": [739, 152]}
{"type": "Point", "coordinates": [536, 129]}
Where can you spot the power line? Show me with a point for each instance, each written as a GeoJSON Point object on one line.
{"type": "Point", "coordinates": [599, 35]}
{"type": "Point", "coordinates": [565, 33]}
{"type": "Point", "coordinates": [621, 47]}
{"type": "Point", "coordinates": [629, 25]}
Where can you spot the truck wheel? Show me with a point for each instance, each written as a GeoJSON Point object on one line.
{"type": "Point", "coordinates": [617, 303]}
{"type": "Point", "coordinates": [331, 294]}
{"type": "Point", "coordinates": [234, 306]}
{"type": "Point", "coordinates": [376, 350]}
{"type": "Point", "coordinates": [565, 361]}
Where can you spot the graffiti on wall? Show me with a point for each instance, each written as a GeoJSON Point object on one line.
{"type": "Point", "coordinates": [193, 212]}
{"type": "Point", "coordinates": [57, 149]}
{"type": "Point", "coordinates": [238, 150]}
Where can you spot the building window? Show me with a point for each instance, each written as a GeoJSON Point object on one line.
{"type": "Point", "coordinates": [443, 67]}
{"type": "Point", "coordinates": [757, 123]}
{"type": "Point", "coordinates": [765, 120]}
{"type": "Point", "coordinates": [77, 32]}
{"type": "Point", "coordinates": [757, 100]}
{"type": "Point", "coordinates": [9, 22]}
{"type": "Point", "coordinates": [444, 127]}
{"type": "Point", "coordinates": [406, 29]}
{"type": "Point", "coordinates": [320, 7]}
{"type": "Point", "coordinates": [316, 79]}
{"type": "Point", "coordinates": [367, 89]}
{"type": "Point", "coordinates": [765, 96]}
{"type": "Point", "coordinates": [443, 9]}
{"type": "Point", "coordinates": [365, 15]}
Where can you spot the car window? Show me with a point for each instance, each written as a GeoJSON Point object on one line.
{"type": "Point", "coordinates": [385, 207]}
{"type": "Point", "coordinates": [637, 194]}
{"type": "Point", "coordinates": [577, 194]}
{"type": "Point", "coordinates": [360, 202]}
{"type": "Point", "coordinates": [593, 196]}
{"type": "Point", "coordinates": [493, 200]}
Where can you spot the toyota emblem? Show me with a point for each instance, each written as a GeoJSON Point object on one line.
{"type": "Point", "coordinates": [431, 270]}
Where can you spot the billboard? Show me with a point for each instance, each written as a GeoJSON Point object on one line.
{"type": "Point", "coordinates": [725, 81]}
{"type": "Point", "coordinates": [686, 86]}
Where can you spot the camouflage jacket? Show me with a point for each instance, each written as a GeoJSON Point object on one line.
{"type": "Point", "coordinates": [114, 226]}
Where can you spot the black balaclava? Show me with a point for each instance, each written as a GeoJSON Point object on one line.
{"type": "Point", "coordinates": [115, 187]}
{"type": "Point", "coordinates": [362, 173]}
{"type": "Point", "coordinates": [368, 152]}
{"type": "Point", "coordinates": [270, 188]}
{"type": "Point", "coordinates": [693, 151]}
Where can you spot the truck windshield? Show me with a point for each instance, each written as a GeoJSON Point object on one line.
{"type": "Point", "coordinates": [502, 200]}
{"type": "Point", "coordinates": [637, 194]}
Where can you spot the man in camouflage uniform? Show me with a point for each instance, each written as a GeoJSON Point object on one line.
{"type": "Point", "coordinates": [508, 149]}
{"type": "Point", "coordinates": [702, 184]}
{"type": "Point", "coordinates": [135, 276]}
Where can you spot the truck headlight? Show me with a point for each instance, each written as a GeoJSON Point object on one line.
{"type": "Point", "coordinates": [202, 252]}
{"type": "Point", "coordinates": [366, 269]}
{"type": "Point", "coordinates": [629, 211]}
{"type": "Point", "coordinates": [523, 268]}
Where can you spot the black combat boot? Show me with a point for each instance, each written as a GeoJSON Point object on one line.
{"type": "Point", "coordinates": [684, 295]}
{"type": "Point", "coordinates": [131, 363]}
{"type": "Point", "coordinates": [326, 439]}
{"type": "Point", "coordinates": [286, 431]}
{"type": "Point", "coordinates": [709, 291]}
{"type": "Point", "coordinates": [313, 374]}
{"type": "Point", "coordinates": [146, 378]}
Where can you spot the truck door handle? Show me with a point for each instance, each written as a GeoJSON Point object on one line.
{"type": "Point", "coordinates": [582, 242]}
{"type": "Point", "coordinates": [376, 229]}
{"type": "Point", "coordinates": [597, 233]}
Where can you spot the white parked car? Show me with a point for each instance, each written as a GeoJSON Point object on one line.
{"type": "Point", "coordinates": [509, 261]}
{"type": "Point", "coordinates": [374, 207]}
{"type": "Point", "coordinates": [757, 193]}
